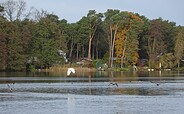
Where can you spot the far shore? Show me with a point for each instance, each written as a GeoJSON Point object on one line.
{"type": "Point", "coordinates": [61, 69]}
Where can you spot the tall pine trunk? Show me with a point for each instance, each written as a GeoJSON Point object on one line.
{"type": "Point", "coordinates": [113, 44]}
{"type": "Point", "coordinates": [89, 48]}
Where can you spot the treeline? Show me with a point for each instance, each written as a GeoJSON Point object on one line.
{"type": "Point", "coordinates": [118, 38]}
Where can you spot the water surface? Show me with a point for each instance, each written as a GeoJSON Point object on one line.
{"type": "Point", "coordinates": [92, 93]}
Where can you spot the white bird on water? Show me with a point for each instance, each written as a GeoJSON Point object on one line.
{"type": "Point", "coordinates": [70, 70]}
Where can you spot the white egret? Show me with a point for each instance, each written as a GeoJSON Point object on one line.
{"type": "Point", "coordinates": [70, 70]}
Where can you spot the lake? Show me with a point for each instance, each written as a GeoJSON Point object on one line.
{"type": "Point", "coordinates": [101, 92]}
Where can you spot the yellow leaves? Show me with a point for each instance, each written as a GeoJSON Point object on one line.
{"type": "Point", "coordinates": [135, 57]}
{"type": "Point", "coordinates": [114, 26]}
{"type": "Point", "coordinates": [120, 44]}
{"type": "Point", "coordinates": [133, 16]}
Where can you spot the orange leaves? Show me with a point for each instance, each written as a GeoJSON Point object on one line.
{"type": "Point", "coordinates": [120, 44]}
{"type": "Point", "coordinates": [135, 57]}
{"type": "Point", "coordinates": [133, 16]}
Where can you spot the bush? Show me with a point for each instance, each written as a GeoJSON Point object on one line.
{"type": "Point", "coordinates": [123, 69]}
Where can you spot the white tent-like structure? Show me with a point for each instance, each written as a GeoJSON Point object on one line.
{"type": "Point", "coordinates": [62, 53]}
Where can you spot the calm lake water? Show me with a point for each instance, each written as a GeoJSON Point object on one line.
{"type": "Point", "coordinates": [92, 93]}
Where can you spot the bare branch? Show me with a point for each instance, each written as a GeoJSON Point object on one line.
{"type": "Point", "coordinates": [9, 9]}
{"type": "Point", "coordinates": [20, 8]}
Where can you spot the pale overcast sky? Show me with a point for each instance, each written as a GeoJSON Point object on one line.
{"type": "Point", "coordinates": [73, 10]}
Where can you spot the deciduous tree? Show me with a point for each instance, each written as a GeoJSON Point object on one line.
{"type": "Point", "coordinates": [179, 46]}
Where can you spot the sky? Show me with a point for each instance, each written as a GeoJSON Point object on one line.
{"type": "Point", "coordinates": [74, 10]}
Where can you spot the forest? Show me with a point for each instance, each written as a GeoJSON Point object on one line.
{"type": "Point", "coordinates": [119, 38]}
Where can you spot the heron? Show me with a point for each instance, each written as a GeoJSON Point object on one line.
{"type": "Point", "coordinates": [70, 70]}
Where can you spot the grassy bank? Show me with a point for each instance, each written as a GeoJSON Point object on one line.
{"type": "Point", "coordinates": [65, 68]}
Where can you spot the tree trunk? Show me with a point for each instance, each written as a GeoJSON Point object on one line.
{"type": "Point", "coordinates": [110, 46]}
{"type": "Point", "coordinates": [71, 49]}
{"type": "Point", "coordinates": [93, 53]}
{"type": "Point", "coordinates": [96, 52]}
{"type": "Point", "coordinates": [109, 53]}
{"type": "Point", "coordinates": [77, 52]}
{"type": "Point", "coordinates": [89, 48]}
{"type": "Point", "coordinates": [122, 57]}
{"type": "Point", "coordinates": [113, 43]}
{"type": "Point", "coordinates": [91, 36]}
{"type": "Point", "coordinates": [83, 51]}
{"type": "Point", "coordinates": [178, 64]}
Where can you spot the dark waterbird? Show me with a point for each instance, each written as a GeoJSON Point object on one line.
{"type": "Point", "coordinates": [114, 84]}
{"type": "Point", "coordinates": [157, 83]}
{"type": "Point", "coordinates": [10, 88]}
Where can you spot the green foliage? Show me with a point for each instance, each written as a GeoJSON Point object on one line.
{"type": "Point", "coordinates": [32, 68]}
{"type": "Point", "coordinates": [160, 39]}
{"type": "Point", "coordinates": [155, 40]}
{"type": "Point", "coordinates": [127, 39]}
{"type": "Point", "coordinates": [168, 60]}
{"type": "Point", "coordinates": [105, 57]}
{"type": "Point", "coordinates": [179, 46]}
{"type": "Point", "coordinates": [3, 46]}
{"type": "Point", "coordinates": [16, 57]}
{"type": "Point", "coordinates": [1, 8]}
{"type": "Point", "coordinates": [123, 69]}
{"type": "Point", "coordinates": [44, 45]}
{"type": "Point", "coordinates": [97, 63]}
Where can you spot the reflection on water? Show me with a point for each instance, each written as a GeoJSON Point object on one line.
{"type": "Point", "coordinates": [96, 88]}
{"type": "Point", "coordinates": [71, 104]}
{"type": "Point", "coordinates": [92, 93]}
{"type": "Point", "coordinates": [94, 83]}
{"type": "Point", "coordinates": [99, 76]}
